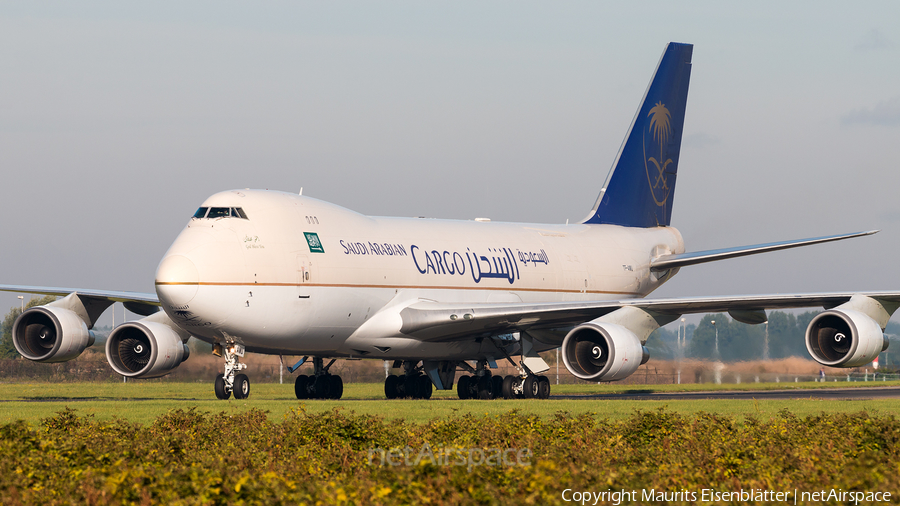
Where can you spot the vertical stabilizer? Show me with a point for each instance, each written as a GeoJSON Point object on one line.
{"type": "Point", "coordinates": [640, 187]}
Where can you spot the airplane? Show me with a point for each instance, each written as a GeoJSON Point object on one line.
{"type": "Point", "coordinates": [281, 273]}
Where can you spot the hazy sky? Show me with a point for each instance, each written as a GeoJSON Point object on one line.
{"type": "Point", "coordinates": [117, 120]}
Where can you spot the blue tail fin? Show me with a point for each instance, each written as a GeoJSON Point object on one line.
{"type": "Point", "coordinates": [640, 187]}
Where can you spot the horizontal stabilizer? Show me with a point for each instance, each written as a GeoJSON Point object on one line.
{"type": "Point", "coordinates": [667, 262]}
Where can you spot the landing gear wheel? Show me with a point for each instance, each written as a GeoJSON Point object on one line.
{"type": "Point", "coordinates": [241, 386]}
{"type": "Point", "coordinates": [321, 387]}
{"type": "Point", "coordinates": [496, 387]}
{"type": "Point", "coordinates": [485, 387]}
{"type": "Point", "coordinates": [425, 387]}
{"type": "Point", "coordinates": [301, 385]}
{"type": "Point", "coordinates": [543, 387]}
{"type": "Point", "coordinates": [390, 386]}
{"type": "Point", "coordinates": [462, 387]}
{"type": "Point", "coordinates": [410, 386]}
{"type": "Point", "coordinates": [222, 391]}
{"type": "Point", "coordinates": [336, 387]}
{"type": "Point", "coordinates": [531, 387]}
{"type": "Point", "coordinates": [507, 388]}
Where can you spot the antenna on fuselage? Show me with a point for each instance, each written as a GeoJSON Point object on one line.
{"type": "Point", "coordinates": [301, 191]}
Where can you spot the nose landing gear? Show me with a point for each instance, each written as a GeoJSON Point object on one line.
{"type": "Point", "coordinates": [230, 382]}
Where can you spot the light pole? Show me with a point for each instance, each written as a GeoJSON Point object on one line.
{"type": "Point", "coordinates": [22, 299]}
{"type": "Point", "coordinates": [681, 342]}
{"type": "Point", "coordinates": [718, 366]}
{"type": "Point", "coordinates": [717, 337]}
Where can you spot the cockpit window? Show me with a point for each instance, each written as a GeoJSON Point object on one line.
{"type": "Point", "coordinates": [220, 212]}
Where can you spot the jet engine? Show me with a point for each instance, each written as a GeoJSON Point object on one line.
{"type": "Point", "coordinates": [50, 334]}
{"type": "Point", "coordinates": [844, 338]}
{"type": "Point", "coordinates": [602, 351]}
{"type": "Point", "coordinates": [145, 349]}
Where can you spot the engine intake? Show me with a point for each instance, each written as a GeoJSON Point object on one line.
{"type": "Point", "coordinates": [50, 334]}
{"type": "Point", "coordinates": [844, 338]}
{"type": "Point", "coordinates": [602, 351]}
{"type": "Point", "coordinates": [145, 349]}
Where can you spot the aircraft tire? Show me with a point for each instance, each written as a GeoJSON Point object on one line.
{"type": "Point", "coordinates": [241, 386]}
{"type": "Point", "coordinates": [390, 386]}
{"type": "Point", "coordinates": [425, 387]}
{"type": "Point", "coordinates": [335, 386]}
{"type": "Point", "coordinates": [507, 389]}
{"type": "Point", "coordinates": [543, 387]}
{"type": "Point", "coordinates": [462, 387]}
{"type": "Point", "coordinates": [321, 387]}
{"type": "Point", "coordinates": [301, 387]}
{"type": "Point", "coordinates": [496, 387]}
{"type": "Point", "coordinates": [222, 392]}
{"type": "Point", "coordinates": [413, 387]}
{"type": "Point", "coordinates": [485, 387]}
{"type": "Point", "coordinates": [531, 387]}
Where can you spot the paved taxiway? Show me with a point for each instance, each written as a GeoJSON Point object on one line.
{"type": "Point", "coordinates": [637, 394]}
{"type": "Point", "coordinates": [818, 393]}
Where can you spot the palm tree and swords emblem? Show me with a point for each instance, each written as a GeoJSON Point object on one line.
{"type": "Point", "coordinates": [662, 129]}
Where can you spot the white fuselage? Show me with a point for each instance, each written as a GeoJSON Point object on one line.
{"type": "Point", "coordinates": [301, 276]}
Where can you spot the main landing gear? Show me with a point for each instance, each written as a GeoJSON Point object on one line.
{"type": "Point", "coordinates": [412, 384]}
{"type": "Point", "coordinates": [321, 385]}
{"type": "Point", "coordinates": [231, 382]}
{"type": "Point", "coordinates": [484, 385]}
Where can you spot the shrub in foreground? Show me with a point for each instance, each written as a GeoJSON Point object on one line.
{"type": "Point", "coordinates": [191, 457]}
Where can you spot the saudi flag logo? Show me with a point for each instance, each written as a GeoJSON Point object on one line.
{"type": "Point", "coordinates": [315, 245]}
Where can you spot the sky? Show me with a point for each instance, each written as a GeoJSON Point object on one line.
{"type": "Point", "coordinates": [117, 119]}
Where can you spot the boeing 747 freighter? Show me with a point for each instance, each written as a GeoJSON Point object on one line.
{"type": "Point", "coordinates": [443, 300]}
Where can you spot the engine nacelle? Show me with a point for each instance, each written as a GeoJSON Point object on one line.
{"type": "Point", "coordinates": [50, 334]}
{"type": "Point", "coordinates": [844, 338]}
{"type": "Point", "coordinates": [602, 351]}
{"type": "Point", "coordinates": [145, 349]}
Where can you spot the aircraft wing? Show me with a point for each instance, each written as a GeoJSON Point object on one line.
{"type": "Point", "coordinates": [432, 321]}
{"type": "Point", "coordinates": [143, 304]}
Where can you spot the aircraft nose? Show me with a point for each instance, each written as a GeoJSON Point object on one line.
{"type": "Point", "coordinates": [177, 280]}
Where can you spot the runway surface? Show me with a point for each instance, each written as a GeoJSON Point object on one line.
{"type": "Point", "coordinates": [818, 393]}
{"type": "Point", "coordinates": [859, 393]}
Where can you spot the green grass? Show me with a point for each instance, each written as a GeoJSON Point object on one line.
{"type": "Point", "coordinates": [143, 402]}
